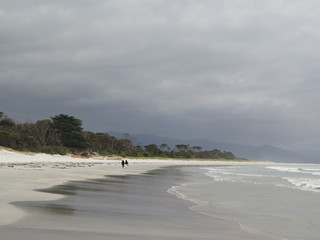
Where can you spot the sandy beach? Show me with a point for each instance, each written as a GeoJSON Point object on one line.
{"type": "Point", "coordinates": [21, 174]}
{"type": "Point", "coordinates": [62, 197]}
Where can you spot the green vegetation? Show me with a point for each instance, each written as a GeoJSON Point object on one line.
{"type": "Point", "coordinates": [69, 131]}
{"type": "Point", "coordinates": [64, 134]}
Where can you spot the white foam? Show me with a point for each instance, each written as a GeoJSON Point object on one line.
{"type": "Point", "coordinates": [220, 174]}
{"type": "Point", "coordinates": [249, 175]}
{"type": "Point", "coordinates": [304, 170]}
{"type": "Point", "coordinates": [174, 191]}
{"type": "Point", "coordinates": [285, 169]}
{"type": "Point", "coordinates": [313, 171]}
{"type": "Point", "coordinates": [310, 184]}
{"type": "Point", "coordinates": [215, 174]}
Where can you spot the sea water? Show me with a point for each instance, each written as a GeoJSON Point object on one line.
{"type": "Point", "coordinates": [271, 202]}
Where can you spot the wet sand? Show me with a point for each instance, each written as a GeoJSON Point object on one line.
{"type": "Point", "coordinates": [119, 207]}
{"type": "Point", "coordinates": [19, 181]}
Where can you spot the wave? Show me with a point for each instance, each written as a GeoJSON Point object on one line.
{"type": "Point", "coordinates": [309, 184]}
{"type": "Point", "coordinates": [297, 177]}
{"type": "Point", "coordinates": [303, 178]}
{"type": "Point", "coordinates": [174, 190]}
{"type": "Point", "coordinates": [222, 174]}
{"type": "Point", "coordinates": [306, 170]}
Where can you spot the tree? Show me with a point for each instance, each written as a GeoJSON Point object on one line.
{"type": "Point", "coordinates": [137, 150]}
{"type": "Point", "coordinates": [124, 145]}
{"type": "Point", "coordinates": [6, 122]}
{"type": "Point", "coordinates": [9, 139]}
{"type": "Point", "coordinates": [196, 148]}
{"type": "Point", "coordinates": [41, 130]}
{"type": "Point", "coordinates": [101, 142]}
{"type": "Point", "coordinates": [152, 149]}
{"type": "Point", "coordinates": [182, 147]}
{"type": "Point", "coordinates": [70, 132]}
{"type": "Point", "coordinates": [164, 147]}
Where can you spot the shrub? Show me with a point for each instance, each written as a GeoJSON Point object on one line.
{"type": "Point", "coordinates": [54, 150]}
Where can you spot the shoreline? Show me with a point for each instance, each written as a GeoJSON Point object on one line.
{"type": "Point", "coordinates": [22, 173]}
{"type": "Point", "coordinates": [20, 180]}
{"type": "Point", "coordinates": [133, 206]}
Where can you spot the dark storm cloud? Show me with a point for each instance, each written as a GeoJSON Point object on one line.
{"type": "Point", "coordinates": [240, 71]}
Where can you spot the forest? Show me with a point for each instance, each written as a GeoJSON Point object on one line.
{"type": "Point", "coordinates": [63, 134]}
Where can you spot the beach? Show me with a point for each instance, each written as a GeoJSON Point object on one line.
{"type": "Point", "coordinates": [61, 197]}
{"type": "Point", "coordinates": [22, 173]}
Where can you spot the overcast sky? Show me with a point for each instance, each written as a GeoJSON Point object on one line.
{"type": "Point", "coordinates": [241, 71]}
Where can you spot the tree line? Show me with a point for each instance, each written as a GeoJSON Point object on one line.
{"type": "Point", "coordinates": [62, 134]}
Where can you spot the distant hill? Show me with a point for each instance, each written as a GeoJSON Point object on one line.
{"type": "Point", "coordinates": [265, 152]}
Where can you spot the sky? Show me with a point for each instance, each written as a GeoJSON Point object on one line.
{"type": "Point", "coordinates": [238, 71]}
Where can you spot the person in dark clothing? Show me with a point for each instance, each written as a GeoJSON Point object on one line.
{"type": "Point", "coordinates": [122, 163]}
{"type": "Point", "coordinates": [126, 162]}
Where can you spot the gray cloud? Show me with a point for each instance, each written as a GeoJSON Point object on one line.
{"type": "Point", "coordinates": [237, 71]}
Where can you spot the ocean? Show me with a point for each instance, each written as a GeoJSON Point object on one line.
{"type": "Point", "coordinates": [272, 202]}
{"type": "Point", "coordinates": [180, 203]}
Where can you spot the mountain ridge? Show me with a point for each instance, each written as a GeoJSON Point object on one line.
{"type": "Point", "coordinates": [263, 152]}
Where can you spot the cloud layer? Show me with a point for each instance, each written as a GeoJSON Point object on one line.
{"type": "Point", "coordinates": [237, 71]}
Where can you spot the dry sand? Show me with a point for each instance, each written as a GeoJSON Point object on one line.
{"type": "Point", "coordinates": [21, 174]}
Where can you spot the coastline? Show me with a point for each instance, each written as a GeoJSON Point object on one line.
{"type": "Point", "coordinates": [22, 173]}
{"type": "Point", "coordinates": [45, 196]}
{"type": "Point", "coordinates": [132, 206]}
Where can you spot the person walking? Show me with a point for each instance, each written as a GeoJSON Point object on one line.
{"type": "Point", "coordinates": [122, 163]}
